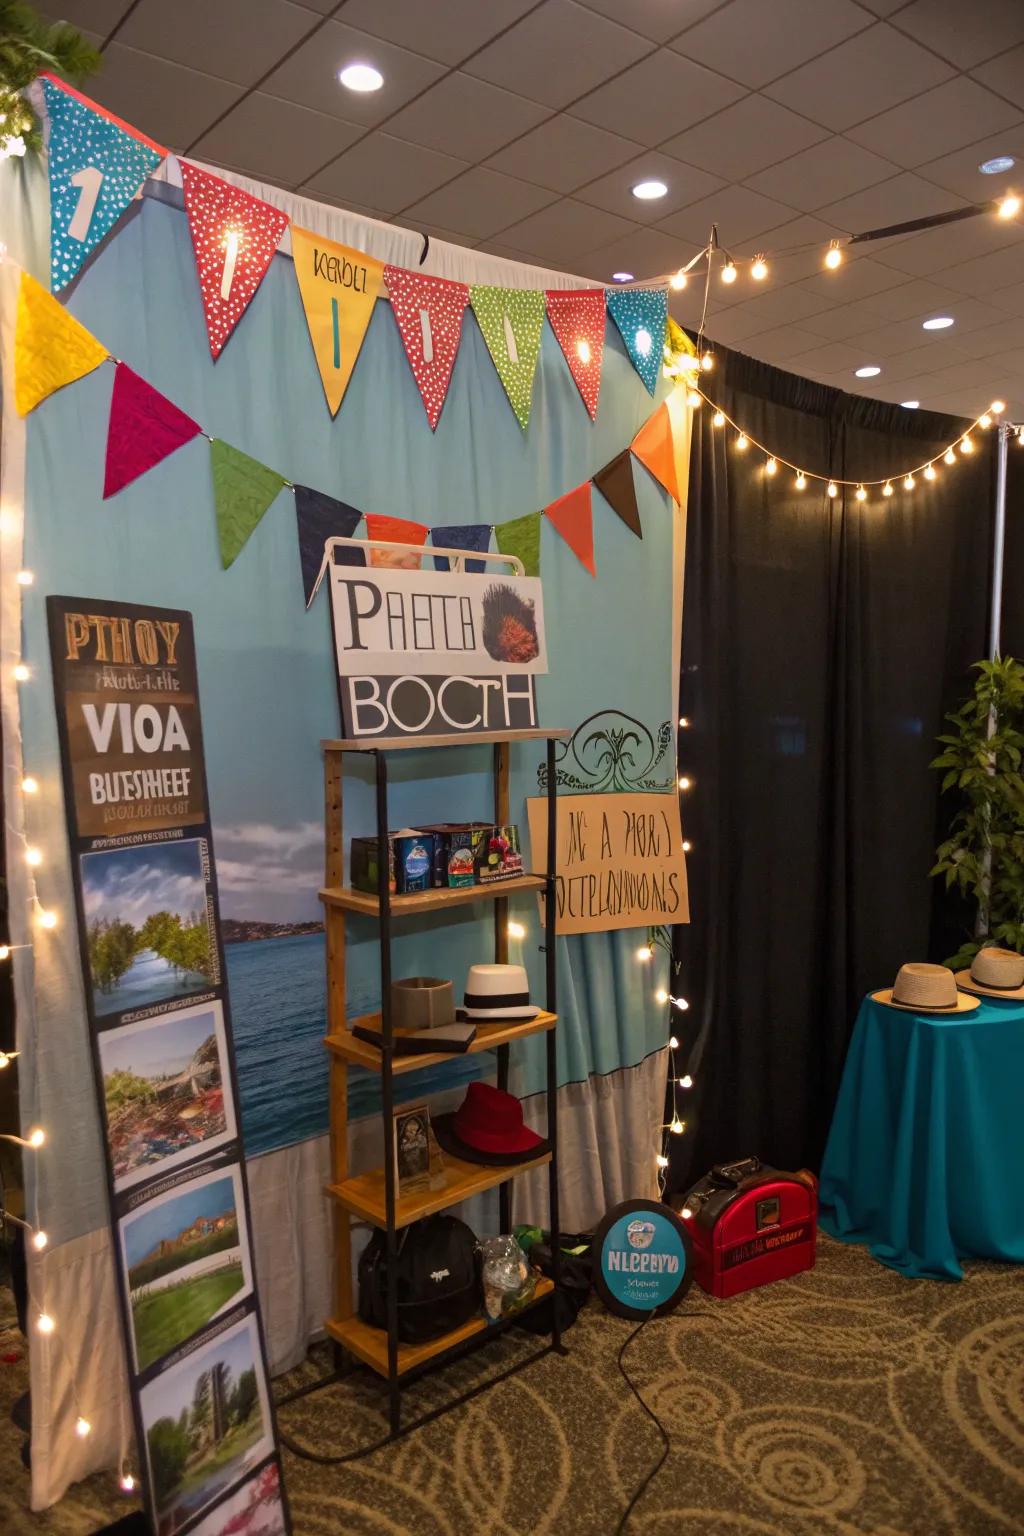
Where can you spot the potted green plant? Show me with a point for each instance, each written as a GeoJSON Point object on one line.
{"type": "Point", "coordinates": [28, 47]}
{"type": "Point", "coordinates": [981, 757]}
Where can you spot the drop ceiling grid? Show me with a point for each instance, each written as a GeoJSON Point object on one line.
{"type": "Point", "coordinates": [760, 144]}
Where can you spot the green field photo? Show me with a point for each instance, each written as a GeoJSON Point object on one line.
{"type": "Point", "coordinates": [165, 1318]}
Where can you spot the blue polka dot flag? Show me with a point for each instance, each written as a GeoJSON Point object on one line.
{"type": "Point", "coordinates": [96, 168]}
{"type": "Point", "coordinates": [641, 315]}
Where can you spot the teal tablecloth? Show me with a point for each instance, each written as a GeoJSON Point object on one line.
{"type": "Point", "coordinates": [925, 1157]}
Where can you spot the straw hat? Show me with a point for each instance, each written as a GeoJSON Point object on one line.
{"type": "Point", "coordinates": [994, 972]}
{"type": "Point", "coordinates": [921, 988]}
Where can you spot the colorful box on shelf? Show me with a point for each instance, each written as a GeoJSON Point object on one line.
{"type": "Point", "coordinates": [503, 859]}
{"type": "Point", "coordinates": [445, 855]}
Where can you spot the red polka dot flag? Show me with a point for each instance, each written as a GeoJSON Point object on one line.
{"type": "Point", "coordinates": [428, 312]}
{"type": "Point", "coordinates": [234, 237]}
{"type": "Point", "coordinates": [577, 319]}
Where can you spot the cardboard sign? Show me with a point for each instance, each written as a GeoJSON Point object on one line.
{"type": "Point", "coordinates": [435, 653]}
{"type": "Point", "coordinates": [620, 861]}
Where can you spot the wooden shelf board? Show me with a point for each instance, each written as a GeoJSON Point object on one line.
{"type": "Point", "coordinates": [363, 1194]}
{"type": "Point", "coordinates": [361, 1053]}
{"type": "Point", "coordinates": [370, 1344]}
{"type": "Point", "coordinates": [434, 900]}
{"type": "Point", "coordinates": [464, 739]}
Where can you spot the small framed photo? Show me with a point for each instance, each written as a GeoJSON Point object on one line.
{"type": "Point", "coordinates": [418, 1161]}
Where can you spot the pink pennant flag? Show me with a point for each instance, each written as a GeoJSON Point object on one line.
{"type": "Point", "coordinates": [402, 531]}
{"type": "Point", "coordinates": [572, 517]}
{"type": "Point", "coordinates": [144, 428]}
{"type": "Point", "coordinates": [234, 237]}
{"type": "Point", "coordinates": [428, 312]}
{"type": "Point", "coordinates": [577, 319]}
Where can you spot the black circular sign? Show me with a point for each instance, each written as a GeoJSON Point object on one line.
{"type": "Point", "coordinates": [641, 1259]}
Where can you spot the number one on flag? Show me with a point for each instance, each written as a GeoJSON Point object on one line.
{"type": "Point", "coordinates": [336, 324]}
{"type": "Point", "coordinates": [428, 339]}
{"type": "Point", "coordinates": [510, 341]}
{"type": "Point", "coordinates": [230, 257]}
{"type": "Point", "coordinates": [89, 179]}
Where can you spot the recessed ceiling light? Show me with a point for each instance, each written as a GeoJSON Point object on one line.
{"type": "Point", "coordinates": [910, 405]}
{"type": "Point", "coordinates": [647, 191]}
{"type": "Point", "coordinates": [361, 77]}
{"type": "Point", "coordinates": [938, 323]}
{"type": "Point", "coordinates": [868, 372]}
{"type": "Point", "coordinates": [997, 165]}
{"type": "Point", "coordinates": [622, 277]}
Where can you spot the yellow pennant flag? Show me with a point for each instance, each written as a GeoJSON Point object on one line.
{"type": "Point", "coordinates": [339, 287]}
{"type": "Point", "coordinates": [51, 348]}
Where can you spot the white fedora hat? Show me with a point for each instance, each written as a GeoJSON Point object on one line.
{"type": "Point", "coordinates": [922, 988]}
{"type": "Point", "coordinates": [498, 992]}
{"type": "Point", "coordinates": [994, 972]}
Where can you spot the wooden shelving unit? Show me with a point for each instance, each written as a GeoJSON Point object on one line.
{"type": "Point", "coordinates": [372, 1195]}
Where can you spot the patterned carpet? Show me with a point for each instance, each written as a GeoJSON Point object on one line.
{"type": "Point", "coordinates": [846, 1401]}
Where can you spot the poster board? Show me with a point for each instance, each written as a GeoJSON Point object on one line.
{"type": "Point", "coordinates": [127, 701]}
{"type": "Point", "coordinates": [619, 862]}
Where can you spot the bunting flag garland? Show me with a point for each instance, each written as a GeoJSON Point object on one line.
{"type": "Point", "coordinates": [243, 489]}
{"type": "Point", "coordinates": [641, 315]}
{"type": "Point", "coordinates": [402, 531]}
{"type": "Point", "coordinates": [521, 537]}
{"type": "Point", "coordinates": [96, 166]}
{"type": "Point", "coordinates": [144, 428]}
{"type": "Point", "coordinates": [654, 445]}
{"type": "Point", "coordinates": [339, 287]}
{"type": "Point", "coordinates": [615, 482]}
{"type": "Point", "coordinates": [318, 518]}
{"type": "Point", "coordinates": [51, 348]}
{"type": "Point", "coordinates": [428, 312]}
{"type": "Point", "coordinates": [511, 320]}
{"type": "Point", "coordinates": [572, 516]}
{"type": "Point", "coordinates": [234, 237]}
{"type": "Point", "coordinates": [466, 536]}
{"type": "Point", "coordinates": [577, 319]}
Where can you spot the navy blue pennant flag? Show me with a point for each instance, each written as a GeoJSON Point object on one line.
{"type": "Point", "coordinates": [469, 536]}
{"type": "Point", "coordinates": [321, 517]}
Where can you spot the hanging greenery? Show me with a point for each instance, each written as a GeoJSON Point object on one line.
{"type": "Point", "coordinates": [28, 47]}
{"type": "Point", "coordinates": [984, 853]}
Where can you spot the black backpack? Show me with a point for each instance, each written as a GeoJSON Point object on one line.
{"type": "Point", "coordinates": [438, 1279]}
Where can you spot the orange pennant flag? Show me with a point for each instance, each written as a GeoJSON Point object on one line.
{"type": "Point", "coordinates": [572, 517]}
{"type": "Point", "coordinates": [654, 446]}
{"type": "Point", "coordinates": [403, 531]}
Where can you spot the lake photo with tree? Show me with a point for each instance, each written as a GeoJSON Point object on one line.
{"type": "Point", "coordinates": [185, 1263]}
{"type": "Point", "coordinates": [147, 927]}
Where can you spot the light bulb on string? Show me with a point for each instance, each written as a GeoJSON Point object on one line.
{"type": "Point", "coordinates": [707, 362]}
{"type": "Point", "coordinates": [673, 1043]}
{"type": "Point", "coordinates": [801, 480]}
{"type": "Point", "coordinates": [684, 781]}
{"type": "Point", "coordinates": [661, 996]}
{"type": "Point", "coordinates": [966, 443]}
{"type": "Point", "coordinates": [687, 845]}
{"type": "Point", "coordinates": [645, 952]}
{"type": "Point", "coordinates": [718, 419]}
{"type": "Point", "coordinates": [677, 1127]}
{"type": "Point", "coordinates": [949, 457]}
{"type": "Point", "coordinates": [759, 269]}
{"type": "Point", "coordinates": [833, 256]}
{"type": "Point", "coordinates": [516, 930]}
{"type": "Point", "coordinates": [929, 472]}
{"type": "Point", "coordinates": [833, 489]}
{"type": "Point", "coordinates": [861, 493]}
{"type": "Point", "coordinates": [1008, 206]}
{"type": "Point", "coordinates": [741, 441]}
{"type": "Point", "coordinates": [661, 1160]}
{"type": "Point", "coordinates": [5, 951]}
{"type": "Point", "coordinates": [29, 785]}
{"type": "Point", "coordinates": [21, 673]}
{"type": "Point", "coordinates": [887, 488]}
{"type": "Point", "coordinates": [908, 482]}
{"type": "Point", "coordinates": [39, 1241]}
{"type": "Point", "coordinates": [46, 918]}
{"type": "Point", "coordinates": [45, 1323]}
{"type": "Point", "coordinates": [684, 724]}
{"type": "Point", "coordinates": [36, 1137]}
{"type": "Point", "coordinates": [693, 400]}
{"type": "Point", "coordinates": [997, 407]}
{"type": "Point", "coordinates": [680, 1003]}
{"type": "Point", "coordinates": [770, 467]}
{"type": "Point", "coordinates": [686, 1082]}
{"type": "Point", "coordinates": [25, 578]}
{"type": "Point", "coordinates": [127, 1483]}
{"type": "Point", "coordinates": [729, 273]}
{"type": "Point", "coordinates": [678, 280]}
{"type": "Point", "coordinates": [34, 857]}
{"type": "Point", "coordinates": [984, 420]}
{"type": "Point", "coordinates": [82, 1427]}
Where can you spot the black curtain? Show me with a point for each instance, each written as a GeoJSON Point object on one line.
{"type": "Point", "coordinates": [823, 640]}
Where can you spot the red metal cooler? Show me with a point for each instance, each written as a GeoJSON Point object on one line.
{"type": "Point", "coordinates": [750, 1224]}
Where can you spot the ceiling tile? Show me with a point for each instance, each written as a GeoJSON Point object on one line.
{"type": "Point", "coordinates": [93, 15]}
{"type": "Point", "coordinates": [746, 137]}
{"type": "Point", "coordinates": [646, 253]}
{"type": "Point", "coordinates": [972, 401]}
{"type": "Point", "coordinates": [740, 214]}
{"type": "Point", "coordinates": [310, 76]}
{"type": "Point", "coordinates": [447, 30]}
{"type": "Point", "coordinates": [822, 174]}
{"type": "Point", "coordinates": [959, 172]}
{"type": "Point", "coordinates": [955, 113]}
{"type": "Point", "coordinates": [1005, 75]}
{"type": "Point", "coordinates": [1010, 298]}
{"type": "Point", "coordinates": [870, 73]}
{"type": "Point", "coordinates": [972, 370]}
{"type": "Point", "coordinates": [386, 172]}
{"type": "Point", "coordinates": [558, 52]}
{"type": "Point", "coordinates": [888, 338]}
{"type": "Point", "coordinates": [465, 117]}
{"type": "Point", "coordinates": [563, 154]}
{"type": "Point", "coordinates": [784, 341]}
{"type": "Point", "coordinates": [653, 18]}
{"type": "Point", "coordinates": [965, 35]}
{"type": "Point", "coordinates": [914, 298]}
{"type": "Point", "coordinates": [566, 231]}
{"type": "Point", "coordinates": [755, 43]}
{"type": "Point", "coordinates": [734, 325]}
{"type": "Point", "coordinates": [882, 7]}
{"type": "Point", "coordinates": [889, 202]}
{"type": "Point", "coordinates": [830, 357]}
{"type": "Point", "coordinates": [934, 249]}
{"type": "Point", "coordinates": [920, 360]}
{"type": "Point", "coordinates": [985, 273]}
{"type": "Point", "coordinates": [614, 192]}
{"type": "Point", "coordinates": [782, 306]}
{"type": "Point", "coordinates": [481, 203]}
{"type": "Point", "coordinates": [858, 278]}
{"type": "Point", "coordinates": [275, 140]}
{"type": "Point", "coordinates": [989, 340]}
{"type": "Point", "coordinates": [844, 321]}
{"type": "Point", "coordinates": [166, 101]}
{"type": "Point", "coordinates": [234, 44]}
{"type": "Point", "coordinates": [656, 98]}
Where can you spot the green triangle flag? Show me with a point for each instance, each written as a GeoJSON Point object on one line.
{"type": "Point", "coordinates": [521, 537]}
{"type": "Point", "coordinates": [243, 489]}
{"type": "Point", "coordinates": [511, 320]}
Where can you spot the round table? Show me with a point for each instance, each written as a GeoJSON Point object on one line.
{"type": "Point", "coordinates": [925, 1157]}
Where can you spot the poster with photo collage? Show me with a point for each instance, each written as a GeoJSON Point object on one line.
{"type": "Point", "coordinates": [126, 688]}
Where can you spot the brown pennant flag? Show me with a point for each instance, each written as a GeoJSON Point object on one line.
{"type": "Point", "coordinates": [615, 482]}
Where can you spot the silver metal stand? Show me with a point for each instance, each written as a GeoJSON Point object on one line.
{"type": "Point", "coordinates": [998, 544]}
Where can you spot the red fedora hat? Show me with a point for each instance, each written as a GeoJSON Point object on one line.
{"type": "Point", "coordinates": [488, 1127]}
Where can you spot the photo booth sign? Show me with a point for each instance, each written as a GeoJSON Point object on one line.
{"type": "Point", "coordinates": [435, 653]}
{"type": "Point", "coordinates": [127, 700]}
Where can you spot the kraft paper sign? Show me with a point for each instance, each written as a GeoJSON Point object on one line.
{"type": "Point", "coordinates": [620, 861]}
{"type": "Point", "coordinates": [339, 287]}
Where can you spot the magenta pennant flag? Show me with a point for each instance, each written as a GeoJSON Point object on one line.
{"type": "Point", "coordinates": [144, 428]}
{"type": "Point", "coordinates": [428, 312]}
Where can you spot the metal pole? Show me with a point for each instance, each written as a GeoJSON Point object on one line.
{"type": "Point", "coordinates": [998, 545]}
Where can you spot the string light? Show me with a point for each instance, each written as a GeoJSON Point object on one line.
{"type": "Point", "coordinates": [46, 918]}
{"type": "Point", "coordinates": [729, 273]}
{"type": "Point", "coordinates": [694, 400]}
{"type": "Point", "coordinates": [21, 673]}
{"type": "Point", "coordinates": [686, 1081]}
{"type": "Point", "coordinates": [908, 482]}
{"type": "Point", "coordinates": [36, 1137]}
{"type": "Point", "coordinates": [887, 488]}
{"type": "Point", "coordinates": [718, 419]}
{"type": "Point", "coordinates": [680, 1003]}
{"type": "Point", "coordinates": [677, 1127]}
{"type": "Point", "coordinates": [678, 280]}
{"type": "Point", "coordinates": [82, 1427]}
{"type": "Point", "coordinates": [687, 845]}
{"type": "Point", "coordinates": [673, 1043]}
{"type": "Point", "coordinates": [862, 494]}
{"type": "Point", "coordinates": [833, 256]}
{"type": "Point", "coordinates": [645, 952]}
{"type": "Point", "coordinates": [684, 724]}
{"type": "Point", "coordinates": [5, 951]}
{"type": "Point", "coordinates": [661, 996]}
{"type": "Point", "coordinates": [929, 472]}
{"type": "Point", "coordinates": [29, 785]}
{"type": "Point", "coordinates": [1008, 206]}
{"type": "Point", "coordinates": [770, 467]}
{"type": "Point", "coordinates": [127, 1483]}
{"type": "Point", "coordinates": [707, 362]}
{"type": "Point", "coordinates": [801, 480]}
{"type": "Point", "coordinates": [985, 420]}
{"type": "Point", "coordinates": [662, 1160]}
{"type": "Point", "coordinates": [966, 444]}
{"type": "Point", "coordinates": [759, 270]}
{"type": "Point", "coordinates": [25, 578]}
{"type": "Point", "coordinates": [949, 457]}
{"type": "Point", "coordinates": [741, 441]}
{"type": "Point", "coordinates": [997, 407]}
{"type": "Point", "coordinates": [833, 489]}
{"type": "Point", "coordinates": [45, 1323]}
{"type": "Point", "coordinates": [516, 930]}
{"type": "Point", "coordinates": [34, 857]}
{"type": "Point", "coordinates": [39, 1241]}
{"type": "Point", "coordinates": [684, 781]}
